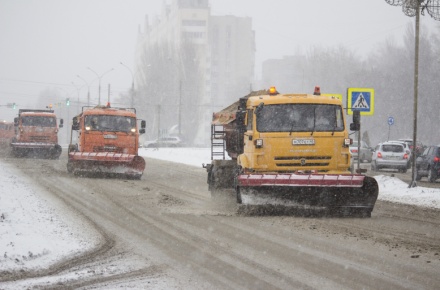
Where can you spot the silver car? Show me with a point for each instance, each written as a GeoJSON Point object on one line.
{"type": "Point", "coordinates": [390, 155]}
{"type": "Point", "coordinates": [407, 150]}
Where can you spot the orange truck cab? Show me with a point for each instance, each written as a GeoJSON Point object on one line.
{"type": "Point", "coordinates": [107, 142]}
{"type": "Point", "coordinates": [36, 132]}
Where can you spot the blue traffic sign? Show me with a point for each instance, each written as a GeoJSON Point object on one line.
{"type": "Point", "coordinates": [360, 99]}
{"type": "Point", "coordinates": [390, 121]}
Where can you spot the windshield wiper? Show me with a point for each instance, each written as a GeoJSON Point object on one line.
{"type": "Point", "coordinates": [314, 121]}
{"type": "Point", "coordinates": [291, 127]}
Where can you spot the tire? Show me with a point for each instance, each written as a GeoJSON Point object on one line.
{"type": "Point", "coordinates": [431, 175]}
{"type": "Point", "coordinates": [403, 170]}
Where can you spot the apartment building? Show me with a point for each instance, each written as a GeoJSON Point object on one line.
{"type": "Point", "coordinates": [200, 62]}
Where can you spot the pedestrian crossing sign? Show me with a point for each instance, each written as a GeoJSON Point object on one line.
{"type": "Point", "coordinates": [360, 99]}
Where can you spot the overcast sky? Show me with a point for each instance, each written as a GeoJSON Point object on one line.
{"type": "Point", "coordinates": [47, 43]}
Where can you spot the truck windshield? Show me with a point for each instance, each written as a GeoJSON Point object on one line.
{"type": "Point", "coordinates": [39, 121]}
{"type": "Point", "coordinates": [300, 118]}
{"type": "Point", "coordinates": [110, 123]}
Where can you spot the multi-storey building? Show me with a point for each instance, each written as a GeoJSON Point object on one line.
{"type": "Point", "coordinates": [201, 62]}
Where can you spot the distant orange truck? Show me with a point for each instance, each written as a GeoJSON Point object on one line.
{"type": "Point", "coordinates": [36, 134]}
{"type": "Point", "coordinates": [108, 142]}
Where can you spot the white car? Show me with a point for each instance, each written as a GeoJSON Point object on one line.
{"type": "Point", "coordinates": [407, 150]}
{"type": "Point", "coordinates": [390, 155]}
{"type": "Point", "coordinates": [168, 141]}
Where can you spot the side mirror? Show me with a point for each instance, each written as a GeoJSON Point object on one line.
{"type": "Point", "coordinates": [356, 125]}
{"type": "Point", "coordinates": [75, 123]}
{"type": "Point", "coordinates": [142, 131]}
{"type": "Point", "coordinates": [61, 123]}
{"type": "Point", "coordinates": [143, 125]}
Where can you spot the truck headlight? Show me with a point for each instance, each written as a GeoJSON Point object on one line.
{"type": "Point", "coordinates": [258, 143]}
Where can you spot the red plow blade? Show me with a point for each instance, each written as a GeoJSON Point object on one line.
{"type": "Point", "coordinates": [106, 162]}
{"type": "Point", "coordinates": [320, 180]}
{"type": "Point", "coordinates": [352, 192]}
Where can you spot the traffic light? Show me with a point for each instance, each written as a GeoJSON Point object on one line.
{"type": "Point", "coordinates": [67, 102]}
{"type": "Point", "coordinates": [14, 106]}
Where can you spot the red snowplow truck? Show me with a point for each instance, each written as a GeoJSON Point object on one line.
{"type": "Point", "coordinates": [287, 149]}
{"type": "Point", "coordinates": [107, 142]}
{"type": "Point", "coordinates": [36, 134]}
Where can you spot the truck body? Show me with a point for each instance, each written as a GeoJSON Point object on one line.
{"type": "Point", "coordinates": [287, 147]}
{"type": "Point", "coordinates": [107, 142]}
{"type": "Point", "coordinates": [36, 134]}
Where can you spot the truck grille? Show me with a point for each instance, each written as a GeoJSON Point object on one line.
{"type": "Point", "coordinates": [39, 138]}
{"type": "Point", "coordinates": [303, 161]}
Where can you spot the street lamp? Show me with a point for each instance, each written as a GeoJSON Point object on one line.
{"type": "Point", "coordinates": [180, 97]}
{"type": "Point", "coordinates": [88, 88]}
{"type": "Point", "coordinates": [415, 8]}
{"type": "Point", "coordinates": [99, 77]}
{"type": "Point", "coordinates": [132, 84]}
{"type": "Point", "coordinates": [77, 91]}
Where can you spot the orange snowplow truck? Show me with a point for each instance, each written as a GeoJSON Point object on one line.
{"type": "Point", "coordinates": [289, 149]}
{"type": "Point", "coordinates": [36, 133]}
{"type": "Point", "coordinates": [107, 142]}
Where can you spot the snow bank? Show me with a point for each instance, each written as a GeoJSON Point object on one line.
{"type": "Point", "coordinates": [34, 233]}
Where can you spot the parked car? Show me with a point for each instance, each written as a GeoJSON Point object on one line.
{"type": "Point", "coordinates": [419, 148]}
{"type": "Point", "coordinates": [407, 150]}
{"type": "Point", "coordinates": [428, 164]}
{"type": "Point", "coordinates": [365, 151]}
{"type": "Point", "coordinates": [167, 141]}
{"type": "Point", "coordinates": [390, 155]}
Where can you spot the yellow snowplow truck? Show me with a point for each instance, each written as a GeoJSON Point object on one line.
{"type": "Point", "coordinates": [276, 148]}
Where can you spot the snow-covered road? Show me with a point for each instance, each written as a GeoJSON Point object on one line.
{"type": "Point", "coordinates": [35, 231]}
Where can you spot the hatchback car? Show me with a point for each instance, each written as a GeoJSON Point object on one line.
{"type": "Point", "coordinates": [390, 155]}
{"type": "Point", "coordinates": [365, 151]}
{"type": "Point", "coordinates": [428, 164]}
{"type": "Point", "coordinates": [407, 150]}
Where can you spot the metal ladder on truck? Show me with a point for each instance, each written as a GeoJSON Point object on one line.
{"type": "Point", "coordinates": [218, 142]}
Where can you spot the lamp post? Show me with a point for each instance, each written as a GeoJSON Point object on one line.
{"type": "Point", "coordinates": [415, 8]}
{"type": "Point", "coordinates": [99, 78]}
{"type": "Point", "coordinates": [77, 91]}
{"type": "Point", "coordinates": [132, 85]}
{"type": "Point", "coordinates": [180, 98]}
{"type": "Point", "coordinates": [88, 88]}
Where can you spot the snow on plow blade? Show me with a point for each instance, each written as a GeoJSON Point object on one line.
{"type": "Point", "coordinates": [332, 191]}
{"type": "Point", "coordinates": [106, 162]}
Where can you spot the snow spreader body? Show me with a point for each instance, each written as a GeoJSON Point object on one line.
{"type": "Point", "coordinates": [290, 148]}
{"type": "Point", "coordinates": [36, 134]}
{"type": "Point", "coordinates": [107, 142]}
